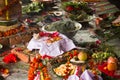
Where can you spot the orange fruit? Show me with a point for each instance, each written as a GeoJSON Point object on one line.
{"type": "Point", "coordinates": [6, 71]}
{"type": "Point", "coordinates": [112, 66]}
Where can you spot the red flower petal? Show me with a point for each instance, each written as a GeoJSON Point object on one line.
{"type": "Point", "coordinates": [69, 8]}
{"type": "Point", "coordinates": [10, 58]}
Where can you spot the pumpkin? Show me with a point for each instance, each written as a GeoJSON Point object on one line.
{"type": "Point", "coordinates": [112, 66]}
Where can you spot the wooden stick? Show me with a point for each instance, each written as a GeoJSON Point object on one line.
{"type": "Point", "coordinates": [7, 12]}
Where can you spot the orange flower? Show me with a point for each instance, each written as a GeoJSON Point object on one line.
{"type": "Point", "coordinates": [40, 65]}
{"type": "Point", "coordinates": [36, 65]}
{"type": "Point", "coordinates": [46, 74]}
{"type": "Point", "coordinates": [75, 53]}
{"type": "Point", "coordinates": [47, 78]}
{"type": "Point", "coordinates": [31, 78]}
{"type": "Point", "coordinates": [44, 69]}
{"type": "Point", "coordinates": [34, 60]}
{"type": "Point", "coordinates": [32, 64]}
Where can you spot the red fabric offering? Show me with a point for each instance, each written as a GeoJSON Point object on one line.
{"type": "Point", "coordinates": [46, 56]}
{"type": "Point", "coordinates": [55, 34]}
{"type": "Point", "coordinates": [10, 58]}
{"type": "Point", "coordinates": [109, 73]}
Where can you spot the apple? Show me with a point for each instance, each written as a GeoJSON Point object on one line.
{"type": "Point", "coordinates": [82, 56]}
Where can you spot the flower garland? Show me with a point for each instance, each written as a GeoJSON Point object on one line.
{"type": "Point", "coordinates": [12, 31]}
{"type": "Point", "coordinates": [37, 66]}
{"type": "Point", "coordinates": [8, 6]}
{"type": "Point", "coordinates": [71, 54]}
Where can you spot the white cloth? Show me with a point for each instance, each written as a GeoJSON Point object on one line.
{"type": "Point", "coordinates": [37, 77]}
{"type": "Point", "coordinates": [87, 75]}
{"type": "Point", "coordinates": [73, 77]}
{"type": "Point", "coordinates": [51, 49]}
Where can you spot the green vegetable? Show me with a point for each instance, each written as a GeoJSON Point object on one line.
{"type": "Point", "coordinates": [100, 56]}
{"type": "Point", "coordinates": [33, 7]}
{"type": "Point", "coordinates": [62, 26]}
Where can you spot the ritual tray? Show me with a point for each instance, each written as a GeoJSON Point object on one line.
{"type": "Point", "coordinates": [52, 73]}
{"type": "Point", "coordinates": [57, 61]}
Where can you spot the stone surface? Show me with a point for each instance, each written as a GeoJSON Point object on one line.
{"type": "Point", "coordinates": [17, 71]}
{"type": "Point", "coordinates": [116, 44]}
{"type": "Point", "coordinates": [18, 75]}
{"type": "Point", "coordinates": [84, 37]}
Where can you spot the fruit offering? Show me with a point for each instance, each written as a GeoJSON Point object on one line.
{"type": "Point", "coordinates": [112, 59]}
{"type": "Point", "coordinates": [82, 56]}
{"type": "Point", "coordinates": [112, 66]}
{"type": "Point", "coordinates": [100, 56]}
{"type": "Point", "coordinates": [112, 63]}
{"type": "Point", "coordinates": [36, 65]}
{"type": "Point", "coordinates": [64, 69]}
